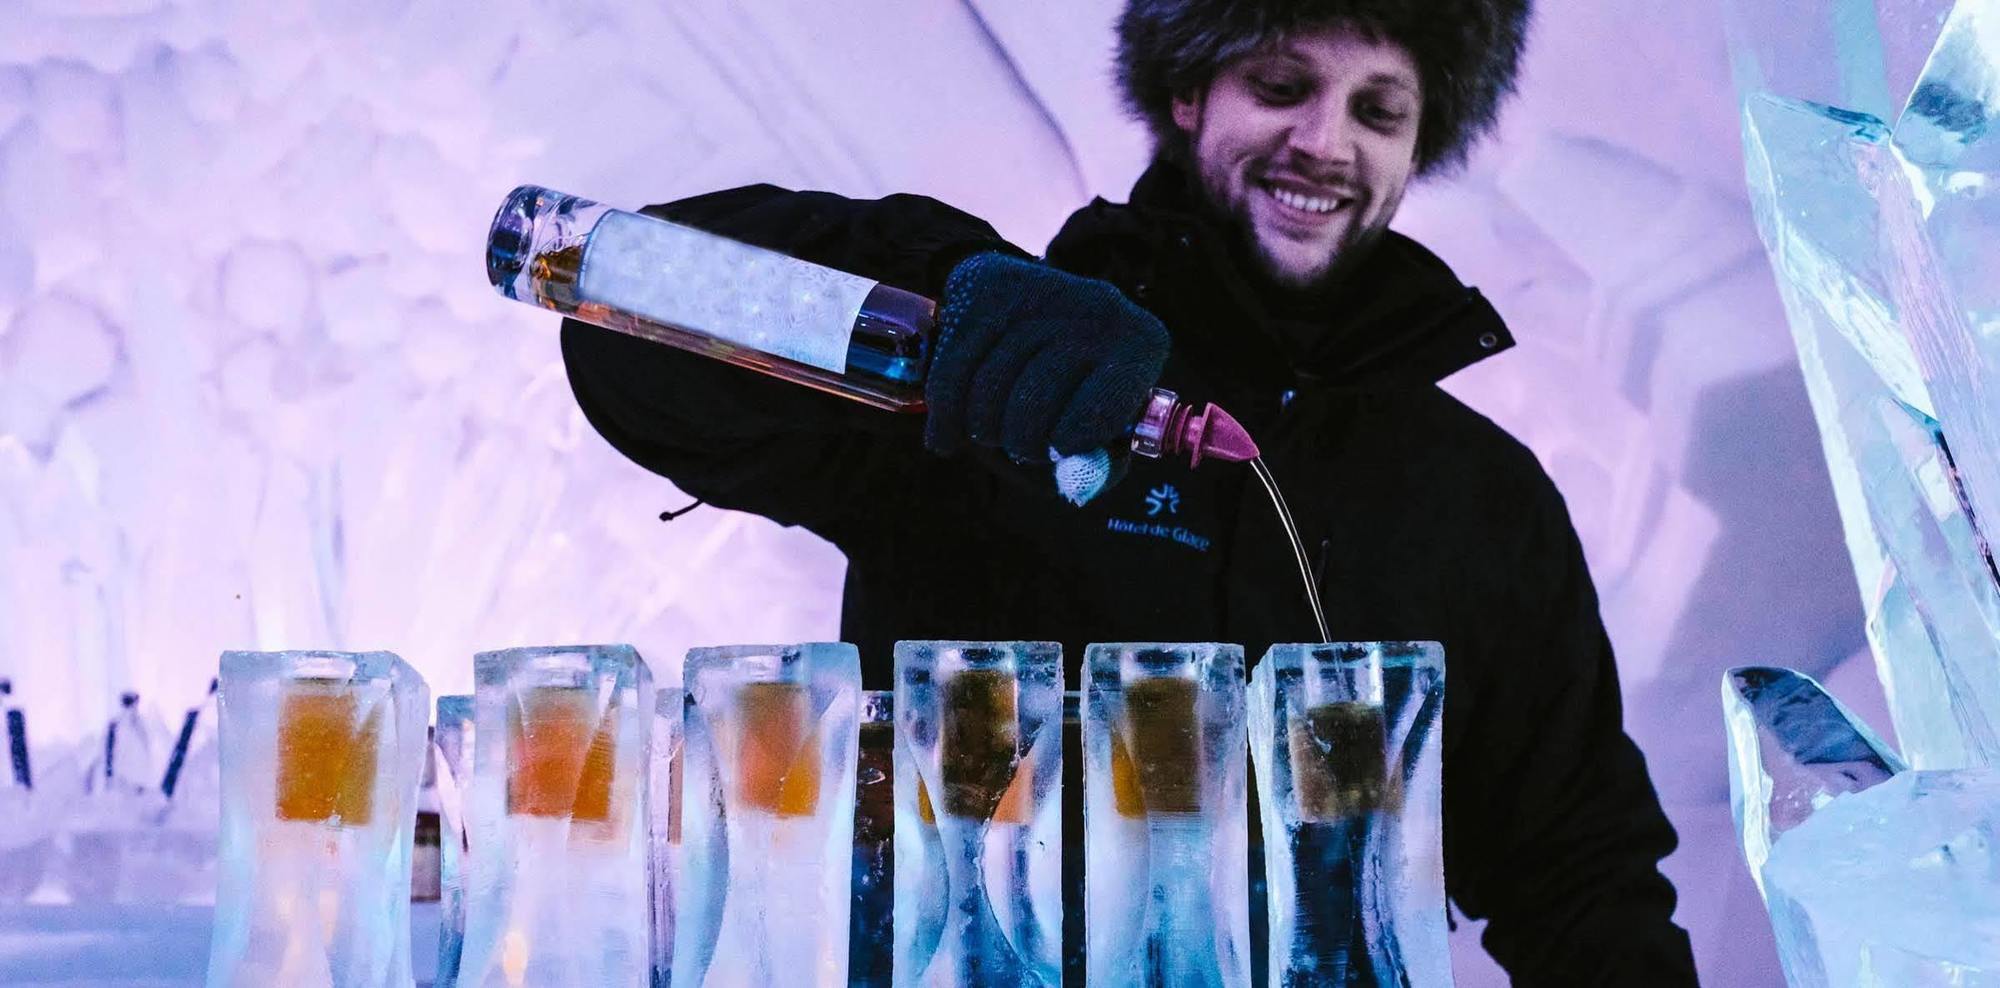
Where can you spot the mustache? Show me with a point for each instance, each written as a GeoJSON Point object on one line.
{"type": "Point", "coordinates": [1338, 184]}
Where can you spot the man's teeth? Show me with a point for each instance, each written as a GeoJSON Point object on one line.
{"type": "Point", "coordinates": [1310, 204]}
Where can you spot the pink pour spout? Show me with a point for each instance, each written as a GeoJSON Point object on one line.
{"type": "Point", "coordinates": [1217, 435]}
{"type": "Point", "coordinates": [1171, 427]}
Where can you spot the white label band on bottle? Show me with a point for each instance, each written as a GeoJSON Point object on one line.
{"type": "Point", "coordinates": [747, 296]}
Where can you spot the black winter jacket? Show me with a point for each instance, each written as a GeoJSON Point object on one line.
{"type": "Point", "coordinates": [1427, 522]}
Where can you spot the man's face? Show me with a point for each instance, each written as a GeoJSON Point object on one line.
{"type": "Point", "coordinates": [1307, 145]}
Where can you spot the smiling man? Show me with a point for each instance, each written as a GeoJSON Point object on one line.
{"type": "Point", "coordinates": [1252, 266]}
{"type": "Point", "coordinates": [1304, 148]}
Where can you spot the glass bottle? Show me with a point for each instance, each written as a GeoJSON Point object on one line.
{"type": "Point", "coordinates": [198, 723]}
{"type": "Point", "coordinates": [762, 309]}
{"type": "Point", "coordinates": [17, 741]}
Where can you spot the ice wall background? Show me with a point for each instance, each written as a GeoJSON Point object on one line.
{"type": "Point", "coordinates": [256, 393]}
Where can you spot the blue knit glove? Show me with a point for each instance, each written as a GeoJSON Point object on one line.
{"type": "Point", "coordinates": [1034, 360]}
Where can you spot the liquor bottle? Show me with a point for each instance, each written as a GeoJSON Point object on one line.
{"type": "Point", "coordinates": [17, 740]}
{"type": "Point", "coordinates": [190, 724]}
{"type": "Point", "coordinates": [125, 765]}
{"type": "Point", "coordinates": [758, 308]}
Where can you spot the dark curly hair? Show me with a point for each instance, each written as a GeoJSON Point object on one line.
{"type": "Point", "coordinates": [1467, 53]}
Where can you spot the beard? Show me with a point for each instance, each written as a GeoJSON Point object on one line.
{"type": "Point", "coordinates": [1266, 273]}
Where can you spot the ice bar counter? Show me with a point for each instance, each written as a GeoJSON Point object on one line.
{"type": "Point", "coordinates": [1175, 821]}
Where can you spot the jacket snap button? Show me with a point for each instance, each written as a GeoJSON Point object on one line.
{"type": "Point", "coordinates": [1141, 289]}
{"type": "Point", "coordinates": [1488, 341]}
{"type": "Point", "coordinates": [1185, 240]}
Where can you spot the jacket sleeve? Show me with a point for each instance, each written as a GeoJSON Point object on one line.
{"type": "Point", "coordinates": [742, 440]}
{"type": "Point", "coordinates": [1565, 862]}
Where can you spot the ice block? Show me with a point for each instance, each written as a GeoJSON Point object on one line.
{"type": "Point", "coordinates": [663, 802]}
{"type": "Point", "coordinates": [1167, 897]}
{"type": "Point", "coordinates": [978, 809]}
{"type": "Point", "coordinates": [767, 816]}
{"type": "Point", "coordinates": [871, 927]}
{"type": "Point", "coordinates": [1792, 749]}
{"type": "Point", "coordinates": [1345, 738]}
{"type": "Point", "coordinates": [321, 756]}
{"type": "Point", "coordinates": [1894, 886]}
{"type": "Point", "coordinates": [558, 892]}
{"type": "Point", "coordinates": [452, 744]}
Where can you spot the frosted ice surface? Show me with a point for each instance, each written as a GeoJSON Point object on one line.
{"type": "Point", "coordinates": [27, 843]}
{"type": "Point", "coordinates": [769, 756]}
{"type": "Point", "coordinates": [1952, 239]}
{"type": "Point", "coordinates": [28, 817]}
{"type": "Point", "coordinates": [57, 351]}
{"type": "Point", "coordinates": [1822, 225]}
{"type": "Point", "coordinates": [1859, 54]}
{"type": "Point", "coordinates": [557, 891]}
{"type": "Point", "coordinates": [871, 928]}
{"type": "Point", "coordinates": [118, 849]}
{"type": "Point", "coordinates": [663, 825]}
{"type": "Point", "coordinates": [1792, 747]}
{"type": "Point", "coordinates": [1836, 213]}
{"type": "Point", "coordinates": [979, 810]}
{"type": "Point", "coordinates": [75, 108]}
{"type": "Point", "coordinates": [15, 93]}
{"type": "Point", "coordinates": [1946, 122]}
{"type": "Point", "coordinates": [1873, 878]}
{"type": "Point", "coordinates": [1346, 742]}
{"type": "Point", "coordinates": [1944, 561]}
{"type": "Point", "coordinates": [1894, 886]}
{"type": "Point", "coordinates": [452, 748]}
{"type": "Point", "coordinates": [206, 82]}
{"type": "Point", "coordinates": [356, 309]}
{"type": "Point", "coordinates": [1167, 894]}
{"type": "Point", "coordinates": [323, 754]}
{"type": "Point", "coordinates": [268, 287]}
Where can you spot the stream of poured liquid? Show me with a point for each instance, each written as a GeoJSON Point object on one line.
{"type": "Point", "coordinates": [1298, 548]}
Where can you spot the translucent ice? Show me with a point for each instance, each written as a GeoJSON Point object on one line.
{"type": "Point", "coordinates": [1895, 886]}
{"type": "Point", "coordinates": [1835, 209]}
{"type": "Point", "coordinates": [1883, 240]}
{"type": "Point", "coordinates": [128, 841]}
{"type": "Point", "coordinates": [27, 843]}
{"type": "Point", "coordinates": [558, 892]}
{"type": "Point", "coordinates": [1346, 743]}
{"type": "Point", "coordinates": [1949, 234]}
{"type": "Point", "coordinates": [871, 928]}
{"type": "Point", "coordinates": [1164, 806]}
{"type": "Point", "coordinates": [452, 746]}
{"type": "Point", "coordinates": [1834, 52]}
{"type": "Point", "coordinates": [978, 813]}
{"type": "Point", "coordinates": [663, 829]}
{"type": "Point", "coordinates": [767, 816]}
{"type": "Point", "coordinates": [1792, 748]}
{"type": "Point", "coordinates": [321, 754]}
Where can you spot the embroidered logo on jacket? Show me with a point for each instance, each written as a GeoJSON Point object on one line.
{"type": "Point", "coordinates": [1160, 502]}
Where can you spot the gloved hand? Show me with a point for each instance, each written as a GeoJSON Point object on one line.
{"type": "Point", "coordinates": [1031, 358]}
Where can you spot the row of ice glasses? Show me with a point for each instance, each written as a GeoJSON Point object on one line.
{"type": "Point", "coordinates": [559, 868]}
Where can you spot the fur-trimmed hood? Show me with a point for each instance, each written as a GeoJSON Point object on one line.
{"type": "Point", "coordinates": [1467, 53]}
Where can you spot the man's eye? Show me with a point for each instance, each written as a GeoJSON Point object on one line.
{"type": "Point", "coordinates": [1277, 91]}
{"type": "Point", "coordinates": [1377, 115]}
